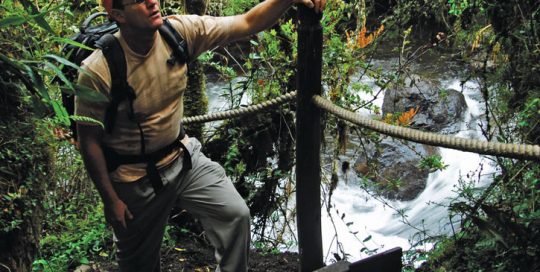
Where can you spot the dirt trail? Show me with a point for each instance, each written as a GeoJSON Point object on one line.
{"type": "Point", "coordinates": [193, 254]}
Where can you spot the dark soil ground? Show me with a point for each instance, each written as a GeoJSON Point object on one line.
{"type": "Point", "coordinates": [196, 255]}
{"type": "Point", "coordinates": [192, 253]}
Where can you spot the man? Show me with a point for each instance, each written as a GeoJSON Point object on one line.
{"type": "Point", "coordinates": [138, 196]}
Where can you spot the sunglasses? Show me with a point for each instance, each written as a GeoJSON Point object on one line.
{"type": "Point", "coordinates": [133, 2]}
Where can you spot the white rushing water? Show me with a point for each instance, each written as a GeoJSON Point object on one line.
{"type": "Point", "coordinates": [380, 221]}
{"type": "Point", "coordinates": [357, 220]}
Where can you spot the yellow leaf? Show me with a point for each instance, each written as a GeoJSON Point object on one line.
{"type": "Point", "coordinates": [478, 37]}
{"type": "Point", "coordinates": [389, 118]}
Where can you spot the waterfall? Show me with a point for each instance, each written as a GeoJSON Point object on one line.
{"type": "Point", "coordinates": [378, 221]}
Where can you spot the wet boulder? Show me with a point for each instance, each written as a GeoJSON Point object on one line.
{"type": "Point", "coordinates": [392, 167]}
{"type": "Point", "coordinates": [439, 110]}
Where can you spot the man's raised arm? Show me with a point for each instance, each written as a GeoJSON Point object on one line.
{"type": "Point", "coordinates": [265, 14]}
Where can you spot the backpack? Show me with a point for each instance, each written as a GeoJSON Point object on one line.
{"type": "Point", "coordinates": [101, 36]}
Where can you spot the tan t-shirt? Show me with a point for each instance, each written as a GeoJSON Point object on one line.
{"type": "Point", "coordinates": [159, 90]}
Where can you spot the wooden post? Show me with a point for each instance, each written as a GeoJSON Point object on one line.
{"type": "Point", "coordinates": [308, 138]}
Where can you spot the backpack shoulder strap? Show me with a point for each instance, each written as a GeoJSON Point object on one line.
{"type": "Point", "coordinates": [175, 41]}
{"type": "Point", "coordinates": [120, 89]}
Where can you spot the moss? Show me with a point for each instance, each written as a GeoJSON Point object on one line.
{"type": "Point", "coordinates": [195, 100]}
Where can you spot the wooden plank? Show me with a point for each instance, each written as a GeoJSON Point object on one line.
{"type": "Point", "coordinates": [341, 266]}
{"type": "Point", "coordinates": [308, 137]}
{"type": "Point", "coordinates": [388, 261]}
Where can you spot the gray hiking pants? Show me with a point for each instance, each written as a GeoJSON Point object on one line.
{"type": "Point", "coordinates": [205, 192]}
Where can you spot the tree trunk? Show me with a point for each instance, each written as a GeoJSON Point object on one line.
{"type": "Point", "coordinates": [24, 164]}
{"type": "Point", "coordinates": [196, 101]}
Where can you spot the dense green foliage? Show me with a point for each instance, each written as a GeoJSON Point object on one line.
{"type": "Point", "coordinates": [25, 158]}
{"type": "Point", "coordinates": [47, 201]}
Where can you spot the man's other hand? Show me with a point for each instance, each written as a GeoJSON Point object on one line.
{"type": "Point", "coordinates": [118, 213]}
{"type": "Point", "coordinates": [317, 5]}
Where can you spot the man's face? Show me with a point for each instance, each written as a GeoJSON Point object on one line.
{"type": "Point", "coordinates": [140, 14]}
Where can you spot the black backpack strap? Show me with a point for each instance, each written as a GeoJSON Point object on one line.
{"type": "Point", "coordinates": [86, 23]}
{"type": "Point", "coordinates": [114, 159]}
{"type": "Point", "coordinates": [120, 89]}
{"type": "Point", "coordinates": [175, 41]}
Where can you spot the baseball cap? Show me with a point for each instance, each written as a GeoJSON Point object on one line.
{"type": "Point", "coordinates": [107, 4]}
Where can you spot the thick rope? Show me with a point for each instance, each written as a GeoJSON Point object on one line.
{"type": "Point", "coordinates": [519, 151]}
{"type": "Point", "coordinates": [240, 112]}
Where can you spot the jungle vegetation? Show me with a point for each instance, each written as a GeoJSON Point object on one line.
{"type": "Point", "coordinates": [51, 217]}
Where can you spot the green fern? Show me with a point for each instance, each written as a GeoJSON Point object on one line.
{"type": "Point", "coordinates": [78, 118]}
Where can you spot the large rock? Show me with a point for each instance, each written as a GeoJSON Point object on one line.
{"type": "Point", "coordinates": [439, 110]}
{"type": "Point", "coordinates": [393, 167]}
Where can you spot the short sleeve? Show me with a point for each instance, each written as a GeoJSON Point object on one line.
{"type": "Point", "coordinates": [202, 32]}
{"type": "Point", "coordinates": [96, 78]}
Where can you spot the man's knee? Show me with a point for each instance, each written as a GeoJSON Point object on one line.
{"type": "Point", "coordinates": [236, 207]}
{"type": "Point", "coordinates": [238, 211]}
{"type": "Point", "coordinates": [243, 211]}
